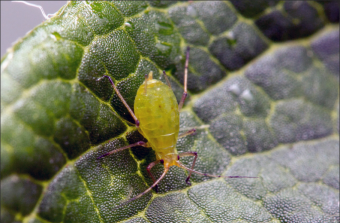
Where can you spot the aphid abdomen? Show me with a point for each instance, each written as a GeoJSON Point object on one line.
{"type": "Point", "coordinates": [157, 112]}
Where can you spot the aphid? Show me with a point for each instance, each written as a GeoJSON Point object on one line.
{"type": "Point", "coordinates": [157, 119]}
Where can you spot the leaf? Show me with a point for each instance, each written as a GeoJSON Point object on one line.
{"type": "Point", "coordinates": [263, 96]}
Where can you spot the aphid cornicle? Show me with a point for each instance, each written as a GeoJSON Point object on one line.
{"type": "Point", "coordinates": [156, 116]}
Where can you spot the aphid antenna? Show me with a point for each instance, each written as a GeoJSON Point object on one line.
{"type": "Point", "coordinates": [163, 175]}
{"type": "Point", "coordinates": [210, 175]}
{"type": "Point", "coordinates": [195, 127]}
{"type": "Point", "coordinates": [190, 132]}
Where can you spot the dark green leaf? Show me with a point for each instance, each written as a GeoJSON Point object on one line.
{"type": "Point", "coordinates": [260, 108]}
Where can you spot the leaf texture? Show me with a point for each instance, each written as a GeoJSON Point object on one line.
{"type": "Point", "coordinates": [263, 95]}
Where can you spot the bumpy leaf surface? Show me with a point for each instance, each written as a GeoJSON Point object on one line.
{"type": "Point", "coordinates": [263, 96]}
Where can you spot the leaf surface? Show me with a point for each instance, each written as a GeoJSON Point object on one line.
{"type": "Point", "coordinates": [263, 96]}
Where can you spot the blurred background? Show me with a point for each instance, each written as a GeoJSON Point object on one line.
{"type": "Point", "coordinates": [17, 19]}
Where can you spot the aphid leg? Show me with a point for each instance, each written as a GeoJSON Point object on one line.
{"type": "Point", "coordinates": [193, 163]}
{"type": "Point", "coordinates": [124, 102]}
{"type": "Point", "coordinates": [150, 174]}
{"type": "Point", "coordinates": [166, 79]}
{"type": "Point", "coordinates": [147, 190]}
{"type": "Point", "coordinates": [191, 131]}
{"type": "Point", "coordinates": [185, 93]}
{"type": "Point", "coordinates": [140, 143]}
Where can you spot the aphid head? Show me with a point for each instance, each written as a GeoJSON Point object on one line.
{"type": "Point", "coordinates": [170, 160]}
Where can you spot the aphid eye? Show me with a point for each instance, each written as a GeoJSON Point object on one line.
{"type": "Point", "coordinates": [162, 161]}
{"type": "Point", "coordinates": [178, 157]}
